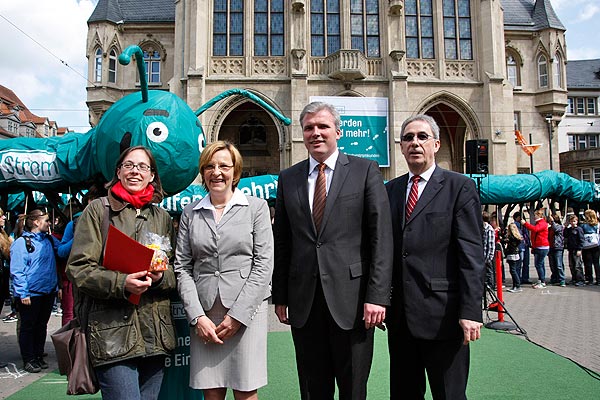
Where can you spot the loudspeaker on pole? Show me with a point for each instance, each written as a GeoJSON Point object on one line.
{"type": "Point", "coordinates": [477, 156]}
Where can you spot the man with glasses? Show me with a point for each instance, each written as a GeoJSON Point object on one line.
{"type": "Point", "coordinates": [438, 270]}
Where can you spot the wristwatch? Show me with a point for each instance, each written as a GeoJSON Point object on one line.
{"type": "Point", "coordinates": [194, 321]}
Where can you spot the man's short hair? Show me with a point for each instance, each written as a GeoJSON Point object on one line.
{"type": "Point", "coordinates": [485, 216]}
{"type": "Point", "coordinates": [516, 215]}
{"type": "Point", "coordinates": [315, 107]}
{"type": "Point", "coordinates": [435, 129]}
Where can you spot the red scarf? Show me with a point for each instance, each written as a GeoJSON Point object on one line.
{"type": "Point", "coordinates": [138, 200]}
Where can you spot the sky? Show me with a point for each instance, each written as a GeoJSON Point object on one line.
{"type": "Point", "coordinates": [43, 51]}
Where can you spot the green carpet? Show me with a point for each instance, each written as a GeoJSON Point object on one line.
{"type": "Point", "coordinates": [503, 366]}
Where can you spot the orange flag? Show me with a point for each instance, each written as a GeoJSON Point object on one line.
{"type": "Point", "coordinates": [529, 149]}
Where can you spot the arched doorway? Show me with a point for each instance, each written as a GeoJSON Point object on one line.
{"type": "Point", "coordinates": [454, 131]}
{"type": "Point", "coordinates": [255, 134]}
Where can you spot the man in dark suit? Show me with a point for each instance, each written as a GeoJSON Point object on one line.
{"type": "Point", "coordinates": [332, 273]}
{"type": "Point", "coordinates": [438, 271]}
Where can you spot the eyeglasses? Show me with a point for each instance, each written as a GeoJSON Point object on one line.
{"type": "Point", "coordinates": [421, 137]}
{"type": "Point", "coordinates": [128, 165]}
{"type": "Point", "coordinates": [221, 167]}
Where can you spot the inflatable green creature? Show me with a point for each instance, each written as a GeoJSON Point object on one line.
{"type": "Point", "coordinates": [156, 119]}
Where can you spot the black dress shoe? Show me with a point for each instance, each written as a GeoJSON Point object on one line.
{"type": "Point", "coordinates": [41, 363]}
{"type": "Point", "coordinates": [32, 367]}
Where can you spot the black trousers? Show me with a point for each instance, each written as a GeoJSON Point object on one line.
{"type": "Point", "coordinates": [34, 325]}
{"type": "Point", "coordinates": [326, 354]}
{"type": "Point", "coordinates": [445, 361]}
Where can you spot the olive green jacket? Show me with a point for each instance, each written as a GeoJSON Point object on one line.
{"type": "Point", "coordinates": [117, 329]}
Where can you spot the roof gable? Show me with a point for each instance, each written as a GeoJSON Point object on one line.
{"type": "Point", "coordinates": [132, 11]}
{"type": "Point", "coordinates": [530, 15]}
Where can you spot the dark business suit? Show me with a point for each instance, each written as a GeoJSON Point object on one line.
{"type": "Point", "coordinates": [438, 279]}
{"type": "Point", "coordinates": [327, 276]}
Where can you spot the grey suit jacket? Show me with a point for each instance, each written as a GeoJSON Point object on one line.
{"type": "Point", "coordinates": [233, 259]}
{"type": "Point", "coordinates": [438, 256]}
{"type": "Point", "coordinates": [351, 255]}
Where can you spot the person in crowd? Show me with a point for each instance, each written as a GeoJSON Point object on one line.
{"type": "Point", "coordinates": [524, 248]}
{"type": "Point", "coordinates": [16, 233]}
{"type": "Point", "coordinates": [591, 249]}
{"type": "Point", "coordinates": [64, 249]}
{"type": "Point", "coordinates": [438, 270]}
{"type": "Point", "coordinates": [5, 242]}
{"type": "Point", "coordinates": [540, 246]}
{"type": "Point", "coordinates": [128, 343]}
{"type": "Point", "coordinates": [489, 250]}
{"type": "Point", "coordinates": [574, 240]}
{"type": "Point", "coordinates": [223, 264]}
{"type": "Point", "coordinates": [512, 241]}
{"type": "Point", "coordinates": [499, 232]}
{"type": "Point", "coordinates": [555, 255]}
{"type": "Point", "coordinates": [56, 230]}
{"type": "Point", "coordinates": [333, 259]}
{"type": "Point", "coordinates": [33, 268]}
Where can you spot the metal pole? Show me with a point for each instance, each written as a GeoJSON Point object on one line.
{"type": "Point", "coordinates": [549, 121]}
{"type": "Point", "coordinates": [531, 155]}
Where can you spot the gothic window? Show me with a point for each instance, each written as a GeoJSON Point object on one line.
{"type": "Point", "coordinates": [152, 60]}
{"type": "Point", "coordinates": [513, 70]}
{"type": "Point", "coordinates": [324, 27]}
{"type": "Point", "coordinates": [458, 43]}
{"type": "Point", "coordinates": [112, 66]}
{"type": "Point", "coordinates": [268, 28]}
{"type": "Point", "coordinates": [364, 21]}
{"type": "Point", "coordinates": [557, 71]}
{"type": "Point", "coordinates": [419, 29]}
{"type": "Point", "coordinates": [228, 31]}
{"type": "Point", "coordinates": [98, 65]}
{"type": "Point", "coordinates": [542, 64]}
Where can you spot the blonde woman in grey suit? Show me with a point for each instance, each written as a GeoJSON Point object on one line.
{"type": "Point", "coordinates": [224, 262]}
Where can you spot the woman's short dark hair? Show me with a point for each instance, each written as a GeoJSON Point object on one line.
{"type": "Point", "coordinates": [210, 150]}
{"type": "Point", "coordinates": [159, 193]}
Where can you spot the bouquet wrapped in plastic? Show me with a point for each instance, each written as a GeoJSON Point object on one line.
{"type": "Point", "coordinates": [161, 246]}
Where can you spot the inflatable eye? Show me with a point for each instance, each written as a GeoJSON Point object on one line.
{"type": "Point", "coordinates": [201, 142]}
{"type": "Point", "coordinates": [157, 132]}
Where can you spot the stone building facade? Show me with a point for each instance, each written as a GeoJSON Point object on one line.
{"type": "Point", "coordinates": [481, 68]}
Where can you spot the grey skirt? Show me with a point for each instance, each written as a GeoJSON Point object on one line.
{"type": "Point", "coordinates": [240, 363]}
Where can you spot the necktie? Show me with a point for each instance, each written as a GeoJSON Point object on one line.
{"type": "Point", "coordinates": [320, 196]}
{"type": "Point", "coordinates": [413, 196]}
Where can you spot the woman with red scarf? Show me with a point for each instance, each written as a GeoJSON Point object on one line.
{"type": "Point", "coordinates": [127, 343]}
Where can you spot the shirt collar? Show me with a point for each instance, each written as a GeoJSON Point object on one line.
{"type": "Point", "coordinates": [238, 199]}
{"type": "Point", "coordinates": [425, 176]}
{"type": "Point", "coordinates": [330, 162]}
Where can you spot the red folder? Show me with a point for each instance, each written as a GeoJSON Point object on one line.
{"type": "Point", "coordinates": [124, 254]}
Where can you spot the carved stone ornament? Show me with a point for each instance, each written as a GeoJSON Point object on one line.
{"type": "Point", "coordinates": [396, 7]}
{"type": "Point", "coordinates": [298, 6]}
{"type": "Point", "coordinates": [397, 55]}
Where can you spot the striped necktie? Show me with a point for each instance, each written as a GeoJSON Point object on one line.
{"type": "Point", "coordinates": [320, 197]}
{"type": "Point", "coordinates": [413, 196]}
